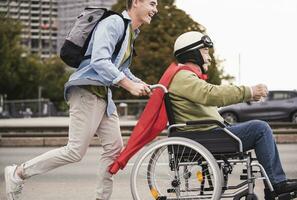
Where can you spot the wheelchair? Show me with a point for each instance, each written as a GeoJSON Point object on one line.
{"type": "Point", "coordinates": [191, 165]}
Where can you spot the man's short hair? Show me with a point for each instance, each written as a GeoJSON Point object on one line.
{"type": "Point", "coordinates": [129, 4]}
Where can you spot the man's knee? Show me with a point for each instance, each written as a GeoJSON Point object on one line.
{"type": "Point", "coordinates": [261, 124]}
{"type": "Point", "coordinates": [74, 154]}
{"type": "Point", "coordinates": [114, 148]}
{"type": "Point", "coordinates": [262, 127]}
{"type": "Point", "coordinates": [118, 146]}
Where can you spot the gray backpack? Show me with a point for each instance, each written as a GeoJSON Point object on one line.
{"type": "Point", "coordinates": [77, 41]}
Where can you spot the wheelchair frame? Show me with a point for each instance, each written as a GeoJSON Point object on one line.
{"type": "Point", "coordinates": [245, 188]}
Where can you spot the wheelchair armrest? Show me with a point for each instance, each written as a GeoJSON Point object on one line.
{"type": "Point", "coordinates": [227, 123]}
{"type": "Point", "coordinates": [206, 122]}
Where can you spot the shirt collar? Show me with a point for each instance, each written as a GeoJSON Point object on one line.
{"type": "Point", "coordinates": [126, 16]}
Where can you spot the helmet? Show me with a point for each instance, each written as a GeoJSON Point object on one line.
{"type": "Point", "coordinates": [187, 45]}
{"type": "Point", "coordinates": [190, 41]}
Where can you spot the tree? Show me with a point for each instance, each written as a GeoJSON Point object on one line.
{"type": "Point", "coordinates": [10, 54]}
{"type": "Point", "coordinates": [17, 73]}
{"type": "Point", "coordinates": [21, 74]}
{"type": "Point", "coordinates": [53, 76]}
{"type": "Point", "coordinates": [154, 45]}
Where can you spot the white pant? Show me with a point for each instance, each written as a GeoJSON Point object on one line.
{"type": "Point", "coordinates": [87, 117]}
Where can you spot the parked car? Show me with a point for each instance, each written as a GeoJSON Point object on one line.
{"type": "Point", "coordinates": [277, 106]}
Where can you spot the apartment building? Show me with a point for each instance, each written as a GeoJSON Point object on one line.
{"type": "Point", "coordinates": [46, 22]}
{"type": "Point", "coordinates": [39, 20]}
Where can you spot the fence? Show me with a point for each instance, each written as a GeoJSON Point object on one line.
{"type": "Point", "coordinates": [27, 108]}
{"type": "Point", "coordinates": [45, 108]}
{"type": "Point", "coordinates": [130, 107]}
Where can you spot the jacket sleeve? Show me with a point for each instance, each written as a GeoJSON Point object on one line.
{"type": "Point", "coordinates": [108, 32]}
{"type": "Point", "coordinates": [130, 75]}
{"type": "Point", "coordinates": [189, 86]}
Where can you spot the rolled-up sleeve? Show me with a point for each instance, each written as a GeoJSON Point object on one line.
{"type": "Point", "coordinates": [108, 32]}
{"type": "Point", "coordinates": [131, 76]}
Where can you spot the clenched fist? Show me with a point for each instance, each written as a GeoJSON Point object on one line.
{"type": "Point", "coordinates": [259, 91]}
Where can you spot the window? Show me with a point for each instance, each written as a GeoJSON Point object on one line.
{"type": "Point", "coordinates": [35, 43]}
{"type": "Point", "coordinates": [281, 95]}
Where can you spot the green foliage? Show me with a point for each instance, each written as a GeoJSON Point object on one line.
{"type": "Point", "coordinates": [10, 52]}
{"type": "Point", "coordinates": [21, 73]}
{"type": "Point", "coordinates": [53, 76]}
{"type": "Point", "coordinates": [154, 46]}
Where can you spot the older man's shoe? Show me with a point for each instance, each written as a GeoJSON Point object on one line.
{"type": "Point", "coordinates": [285, 186]}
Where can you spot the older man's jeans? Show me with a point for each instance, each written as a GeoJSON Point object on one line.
{"type": "Point", "coordinates": [256, 134]}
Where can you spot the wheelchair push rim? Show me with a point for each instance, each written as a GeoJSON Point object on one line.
{"type": "Point", "coordinates": [187, 171]}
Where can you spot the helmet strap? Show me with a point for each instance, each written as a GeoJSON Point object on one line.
{"type": "Point", "coordinates": [193, 56]}
{"type": "Point", "coordinates": [199, 60]}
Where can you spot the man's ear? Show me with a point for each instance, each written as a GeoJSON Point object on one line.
{"type": "Point", "coordinates": [135, 3]}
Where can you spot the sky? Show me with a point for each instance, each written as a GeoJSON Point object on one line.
{"type": "Point", "coordinates": [257, 39]}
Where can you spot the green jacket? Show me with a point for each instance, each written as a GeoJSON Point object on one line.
{"type": "Point", "coordinates": [195, 99]}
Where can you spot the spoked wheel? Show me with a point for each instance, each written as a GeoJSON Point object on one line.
{"type": "Point", "coordinates": [251, 197]}
{"type": "Point", "coordinates": [176, 168]}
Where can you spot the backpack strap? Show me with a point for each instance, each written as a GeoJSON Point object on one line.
{"type": "Point", "coordinates": [119, 44]}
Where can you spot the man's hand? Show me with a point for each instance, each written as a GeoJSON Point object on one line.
{"type": "Point", "coordinates": [148, 90]}
{"type": "Point", "coordinates": [140, 89]}
{"type": "Point", "coordinates": [136, 89]}
{"type": "Point", "coordinates": [259, 91]}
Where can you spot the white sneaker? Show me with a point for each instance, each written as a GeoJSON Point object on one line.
{"type": "Point", "coordinates": [13, 187]}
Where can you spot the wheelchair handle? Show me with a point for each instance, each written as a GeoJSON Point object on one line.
{"type": "Point", "coordinates": [158, 86]}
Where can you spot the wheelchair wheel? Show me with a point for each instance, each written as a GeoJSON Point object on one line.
{"type": "Point", "coordinates": [251, 197]}
{"type": "Point", "coordinates": [176, 168]}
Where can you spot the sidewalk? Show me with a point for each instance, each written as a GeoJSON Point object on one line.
{"type": "Point", "coordinates": [53, 131]}
{"type": "Point", "coordinates": [51, 122]}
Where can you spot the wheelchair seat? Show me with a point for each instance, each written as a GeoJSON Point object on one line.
{"type": "Point", "coordinates": [216, 143]}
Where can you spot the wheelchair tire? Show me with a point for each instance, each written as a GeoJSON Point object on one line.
{"type": "Point", "coordinates": [176, 168]}
{"type": "Point", "coordinates": [251, 197]}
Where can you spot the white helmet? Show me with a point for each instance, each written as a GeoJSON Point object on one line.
{"type": "Point", "coordinates": [190, 41]}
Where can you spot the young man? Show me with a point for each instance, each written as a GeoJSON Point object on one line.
{"type": "Point", "coordinates": [194, 98]}
{"type": "Point", "coordinates": [92, 110]}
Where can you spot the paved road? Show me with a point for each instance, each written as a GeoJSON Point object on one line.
{"type": "Point", "coordinates": [77, 181]}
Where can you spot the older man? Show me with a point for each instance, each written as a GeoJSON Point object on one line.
{"type": "Point", "coordinates": [193, 98]}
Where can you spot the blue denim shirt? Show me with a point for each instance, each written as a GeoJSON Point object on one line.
{"type": "Point", "coordinates": [104, 68]}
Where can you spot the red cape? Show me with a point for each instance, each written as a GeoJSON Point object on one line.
{"type": "Point", "coordinates": [153, 120]}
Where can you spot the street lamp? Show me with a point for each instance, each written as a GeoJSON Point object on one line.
{"type": "Point", "coordinates": [40, 88]}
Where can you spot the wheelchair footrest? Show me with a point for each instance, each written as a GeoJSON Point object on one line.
{"type": "Point", "coordinates": [286, 196]}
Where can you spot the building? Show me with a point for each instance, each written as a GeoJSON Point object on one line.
{"type": "Point", "coordinates": [68, 10]}
{"type": "Point", "coordinates": [39, 20]}
{"type": "Point", "coordinates": [47, 22]}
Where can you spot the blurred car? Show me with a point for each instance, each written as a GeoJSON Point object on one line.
{"type": "Point", "coordinates": [277, 106]}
